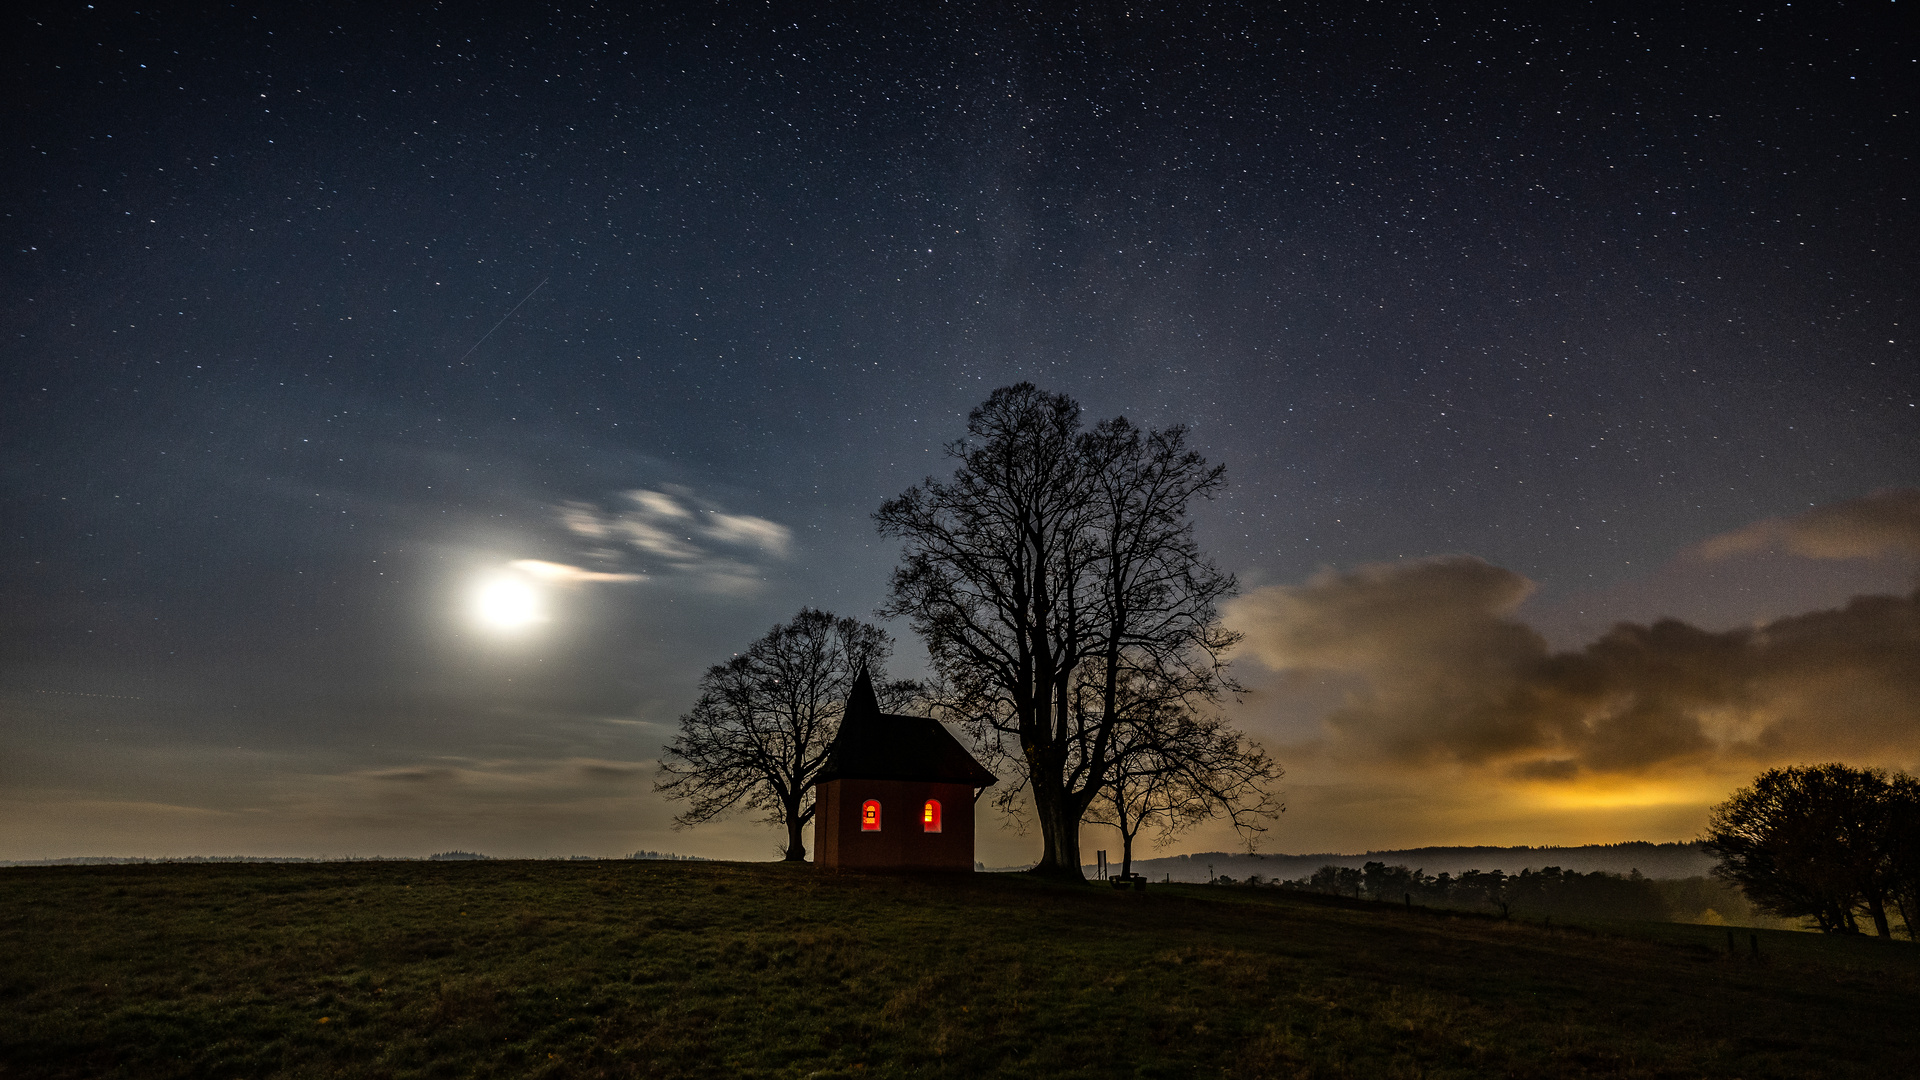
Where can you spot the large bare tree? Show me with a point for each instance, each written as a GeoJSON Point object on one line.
{"type": "Point", "coordinates": [759, 732]}
{"type": "Point", "coordinates": [1056, 564]}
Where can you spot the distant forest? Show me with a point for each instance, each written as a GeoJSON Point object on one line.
{"type": "Point", "coordinates": [1547, 893]}
{"type": "Point", "coordinates": [1673, 860]}
{"type": "Point", "coordinates": [1638, 880]}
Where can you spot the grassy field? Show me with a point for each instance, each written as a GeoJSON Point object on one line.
{"type": "Point", "coordinates": [713, 969]}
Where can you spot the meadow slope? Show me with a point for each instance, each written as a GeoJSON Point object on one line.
{"type": "Point", "coordinates": [715, 969]}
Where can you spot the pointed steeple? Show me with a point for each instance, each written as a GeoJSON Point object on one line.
{"type": "Point", "coordinates": [862, 726]}
{"type": "Point", "coordinates": [862, 702]}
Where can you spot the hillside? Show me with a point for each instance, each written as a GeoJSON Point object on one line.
{"type": "Point", "coordinates": [638, 968]}
{"type": "Point", "coordinates": [1653, 860]}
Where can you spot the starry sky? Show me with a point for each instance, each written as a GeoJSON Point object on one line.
{"type": "Point", "coordinates": [1508, 326]}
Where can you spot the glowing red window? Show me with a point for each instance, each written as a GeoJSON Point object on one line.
{"type": "Point", "coordinates": [930, 816]}
{"type": "Point", "coordinates": [870, 816]}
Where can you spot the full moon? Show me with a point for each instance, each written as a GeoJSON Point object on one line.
{"type": "Point", "coordinates": [507, 603]}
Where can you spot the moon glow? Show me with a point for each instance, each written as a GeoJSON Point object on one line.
{"type": "Point", "coordinates": [507, 603]}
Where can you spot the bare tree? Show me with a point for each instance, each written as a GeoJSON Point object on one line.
{"type": "Point", "coordinates": [1174, 769]}
{"type": "Point", "coordinates": [992, 581]}
{"type": "Point", "coordinates": [1056, 568]}
{"type": "Point", "coordinates": [759, 732]}
{"type": "Point", "coordinates": [1140, 791]}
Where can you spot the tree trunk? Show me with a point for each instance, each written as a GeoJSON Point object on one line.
{"type": "Point", "coordinates": [1126, 851]}
{"type": "Point", "coordinates": [796, 837]}
{"type": "Point", "coordinates": [1878, 910]}
{"type": "Point", "coordinates": [1059, 833]}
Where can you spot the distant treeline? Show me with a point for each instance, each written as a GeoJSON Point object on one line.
{"type": "Point", "coordinates": [1548, 892]}
{"type": "Point", "coordinates": [1655, 860]}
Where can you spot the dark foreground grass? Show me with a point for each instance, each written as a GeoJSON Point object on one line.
{"type": "Point", "coordinates": [690, 969]}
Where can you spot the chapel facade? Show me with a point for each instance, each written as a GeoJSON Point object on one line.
{"type": "Point", "coordinates": [896, 792]}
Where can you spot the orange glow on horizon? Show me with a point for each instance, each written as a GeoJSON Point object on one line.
{"type": "Point", "coordinates": [1624, 792]}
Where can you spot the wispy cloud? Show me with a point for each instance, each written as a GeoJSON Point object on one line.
{"type": "Point", "coordinates": [412, 775]}
{"type": "Point", "coordinates": [562, 574]}
{"type": "Point", "coordinates": [677, 532]}
{"type": "Point", "coordinates": [768, 536]}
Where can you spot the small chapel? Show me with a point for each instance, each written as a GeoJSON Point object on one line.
{"type": "Point", "coordinates": [896, 792]}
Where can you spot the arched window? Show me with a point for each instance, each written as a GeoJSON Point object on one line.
{"type": "Point", "coordinates": [870, 816]}
{"type": "Point", "coordinates": [930, 816]}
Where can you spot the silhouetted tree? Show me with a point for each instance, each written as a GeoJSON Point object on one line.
{"type": "Point", "coordinates": [1814, 841]}
{"type": "Point", "coordinates": [1336, 881]}
{"type": "Point", "coordinates": [1490, 887]}
{"type": "Point", "coordinates": [1173, 769]}
{"type": "Point", "coordinates": [1055, 568]}
{"type": "Point", "coordinates": [759, 733]}
{"type": "Point", "coordinates": [1383, 882]}
{"type": "Point", "coordinates": [1139, 793]}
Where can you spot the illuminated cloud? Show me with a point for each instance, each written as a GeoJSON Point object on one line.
{"type": "Point", "coordinates": [659, 505]}
{"type": "Point", "coordinates": [768, 536]}
{"type": "Point", "coordinates": [1442, 674]}
{"type": "Point", "coordinates": [1885, 522]}
{"type": "Point", "coordinates": [1430, 643]}
{"type": "Point", "coordinates": [682, 534]}
{"type": "Point", "coordinates": [583, 519]}
{"type": "Point", "coordinates": [562, 574]}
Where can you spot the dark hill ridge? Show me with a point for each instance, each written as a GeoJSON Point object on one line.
{"type": "Point", "coordinates": [1673, 860]}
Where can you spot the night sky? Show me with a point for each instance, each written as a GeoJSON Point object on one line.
{"type": "Point", "coordinates": [1508, 326]}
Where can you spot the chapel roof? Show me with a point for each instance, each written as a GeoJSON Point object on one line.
{"type": "Point", "coordinates": [873, 745]}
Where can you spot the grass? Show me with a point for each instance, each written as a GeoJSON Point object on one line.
{"type": "Point", "coordinates": [713, 969]}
